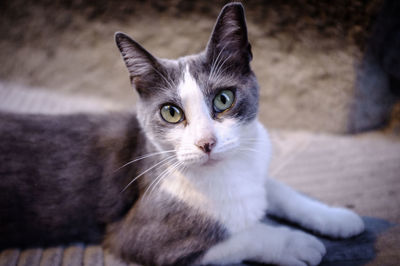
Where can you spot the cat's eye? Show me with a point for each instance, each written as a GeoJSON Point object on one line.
{"type": "Point", "coordinates": [224, 100]}
{"type": "Point", "coordinates": [171, 113]}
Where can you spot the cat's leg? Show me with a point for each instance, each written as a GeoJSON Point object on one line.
{"type": "Point", "coordinates": [267, 244]}
{"type": "Point", "coordinates": [286, 203]}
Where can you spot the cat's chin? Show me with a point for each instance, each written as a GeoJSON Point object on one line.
{"type": "Point", "coordinates": [211, 162]}
{"type": "Point", "coordinates": [204, 161]}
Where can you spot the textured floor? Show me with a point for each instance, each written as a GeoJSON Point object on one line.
{"type": "Point", "coordinates": [361, 172]}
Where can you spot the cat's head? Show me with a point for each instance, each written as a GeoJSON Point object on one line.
{"type": "Point", "coordinates": [202, 106]}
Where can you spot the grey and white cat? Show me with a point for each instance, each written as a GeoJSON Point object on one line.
{"type": "Point", "coordinates": [184, 181]}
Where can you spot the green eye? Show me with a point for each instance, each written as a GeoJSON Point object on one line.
{"type": "Point", "coordinates": [223, 100]}
{"type": "Point", "coordinates": [171, 114]}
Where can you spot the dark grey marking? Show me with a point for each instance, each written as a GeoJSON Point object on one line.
{"type": "Point", "coordinates": [169, 234]}
{"type": "Point", "coordinates": [230, 37]}
{"type": "Point", "coordinates": [149, 75]}
{"type": "Point", "coordinates": [57, 176]}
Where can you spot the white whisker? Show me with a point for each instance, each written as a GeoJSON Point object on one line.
{"type": "Point", "coordinates": [220, 68]}
{"type": "Point", "coordinates": [149, 169]}
{"type": "Point", "coordinates": [170, 83]}
{"type": "Point", "coordinates": [143, 157]}
{"type": "Point", "coordinates": [160, 177]}
{"type": "Point", "coordinates": [215, 64]}
{"type": "Point", "coordinates": [249, 149]}
{"type": "Point", "coordinates": [217, 71]}
{"type": "Point", "coordinates": [215, 61]}
{"type": "Point", "coordinates": [252, 141]}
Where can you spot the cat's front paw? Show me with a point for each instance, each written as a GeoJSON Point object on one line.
{"type": "Point", "coordinates": [302, 249]}
{"type": "Point", "coordinates": [337, 223]}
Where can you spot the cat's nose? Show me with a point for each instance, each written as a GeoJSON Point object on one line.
{"type": "Point", "coordinates": [206, 144]}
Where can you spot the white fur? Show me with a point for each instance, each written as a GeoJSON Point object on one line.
{"type": "Point", "coordinates": [264, 243]}
{"type": "Point", "coordinates": [228, 185]}
{"type": "Point", "coordinates": [277, 245]}
{"type": "Point", "coordinates": [231, 186]}
{"type": "Point", "coordinates": [197, 115]}
{"type": "Point", "coordinates": [286, 203]}
{"type": "Point", "coordinates": [231, 191]}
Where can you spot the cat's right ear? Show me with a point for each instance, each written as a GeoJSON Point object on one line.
{"type": "Point", "coordinates": [141, 65]}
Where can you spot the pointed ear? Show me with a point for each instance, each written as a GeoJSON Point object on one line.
{"type": "Point", "coordinates": [229, 37]}
{"type": "Point", "coordinates": [142, 66]}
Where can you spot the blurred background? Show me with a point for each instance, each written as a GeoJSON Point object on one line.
{"type": "Point", "coordinates": [309, 55]}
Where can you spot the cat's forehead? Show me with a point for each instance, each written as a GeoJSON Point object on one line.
{"type": "Point", "coordinates": [183, 80]}
{"type": "Point", "coordinates": [197, 70]}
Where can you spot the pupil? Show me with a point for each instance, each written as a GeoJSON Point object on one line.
{"type": "Point", "coordinates": [172, 112]}
{"type": "Point", "coordinates": [223, 99]}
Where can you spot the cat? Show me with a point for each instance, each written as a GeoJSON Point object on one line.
{"type": "Point", "coordinates": [182, 181]}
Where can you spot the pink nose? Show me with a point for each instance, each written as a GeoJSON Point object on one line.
{"type": "Point", "coordinates": [206, 144]}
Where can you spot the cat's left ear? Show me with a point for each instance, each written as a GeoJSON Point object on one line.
{"type": "Point", "coordinates": [229, 38]}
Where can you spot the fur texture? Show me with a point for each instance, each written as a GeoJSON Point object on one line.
{"type": "Point", "coordinates": [57, 182]}
{"type": "Point", "coordinates": [189, 191]}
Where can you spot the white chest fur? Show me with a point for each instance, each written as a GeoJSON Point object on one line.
{"type": "Point", "coordinates": [233, 192]}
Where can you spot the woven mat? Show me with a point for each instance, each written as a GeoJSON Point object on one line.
{"type": "Point", "coordinates": [360, 172]}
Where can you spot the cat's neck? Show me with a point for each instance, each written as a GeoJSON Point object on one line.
{"type": "Point", "coordinates": [232, 191]}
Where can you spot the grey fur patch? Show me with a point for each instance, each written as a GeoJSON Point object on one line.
{"type": "Point", "coordinates": [149, 75]}
{"type": "Point", "coordinates": [163, 231]}
{"type": "Point", "coordinates": [57, 176]}
{"type": "Point", "coordinates": [229, 38]}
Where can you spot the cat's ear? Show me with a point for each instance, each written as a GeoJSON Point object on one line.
{"type": "Point", "coordinates": [142, 66]}
{"type": "Point", "coordinates": [229, 37]}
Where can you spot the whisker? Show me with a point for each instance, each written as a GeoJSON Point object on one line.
{"type": "Point", "coordinates": [143, 157]}
{"type": "Point", "coordinates": [223, 148]}
{"type": "Point", "coordinates": [221, 69]}
{"type": "Point", "coordinates": [146, 171]}
{"type": "Point", "coordinates": [170, 83]}
{"type": "Point", "coordinates": [250, 138]}
{"type": "Point", "coordinates": [249, 149]}
{"type": "Point", "coordinates": [218, 67]}
{"type": "Point", "coordinates": [163, 175]}
{"type": "Point", "coordinates": [215, 63]}
{"type": "Point", "coordinates": [218, 71]}
{"type": "Point", "coordinates": [252, 141]}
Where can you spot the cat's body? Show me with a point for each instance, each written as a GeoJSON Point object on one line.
{"type": "Point", "coordinates": [58, 180]}
{"type": "Point", "coordinates": [184, 182]}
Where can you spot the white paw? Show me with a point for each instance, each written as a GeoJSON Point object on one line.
{"type": "Point", "coordinates": [302, 249]}
{"type": "Point", "coordinates": [336, 222]}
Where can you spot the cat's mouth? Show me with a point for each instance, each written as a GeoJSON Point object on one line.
{"type": "Point", "coordinates": [211, 161]}
{"type": "Point", "coordinates": [191, 159]}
